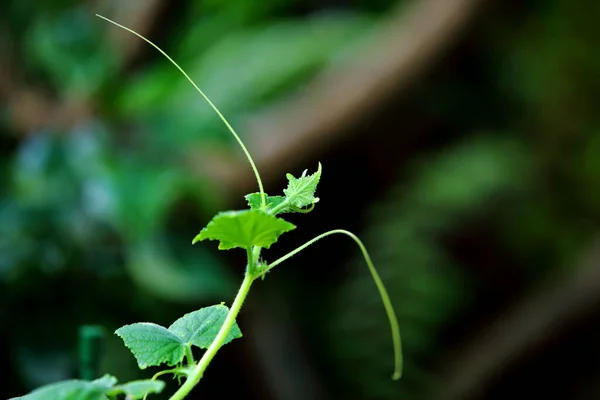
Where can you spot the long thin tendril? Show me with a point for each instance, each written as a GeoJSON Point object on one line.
{"type": "Point", "coordinates": [385, 298]}
{"type": "Point", "coordinates": [227, 124]}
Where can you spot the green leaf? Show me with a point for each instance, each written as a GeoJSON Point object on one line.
{"type": "Point", "coordinates": [138, 389]}
{"type": "Point", "coordinates": [255, 202]}
{"type": "Point", "coordinates": [244, 229]}
{"type": "Point", "coordinates": [200, 327]}
{"type": "Point", "coordinates": [152, 344]}
{"type": "Point", "coordinates": [301, 191]}
{"type": "Point", "coordinates": [72, 390]}
{"type": "Point", "coordinates": [106, 382]}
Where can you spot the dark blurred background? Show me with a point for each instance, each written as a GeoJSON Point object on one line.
{"type": "Point", "coordinates": [459, 138]}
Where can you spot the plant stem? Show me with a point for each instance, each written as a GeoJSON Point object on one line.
{"type": "Point", "coordinates": [255, 257]}
{"type": "Point", "coordinates": [282, 205]}
{"type": "Point", "coordinates": [196, 374]}
{"type": "Point", "coordinates": [188, 355]}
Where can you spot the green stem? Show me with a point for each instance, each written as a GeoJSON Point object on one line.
{"type": "Point", "coordinates": [196, 374]}
{"type": "Point", "coordinates": [227, 124]}
{"type": "Point", "coordinates": [251, 261]}
{"type": "Point", "coordinates": [281, 206]}
{"type": "Point", "coordinates": [188, 355]}
{"type": "Point", "coordinates": [385, 298]}
{"type": "Point", "coordinates": [168, 371]}
{"type": "Point", "coordinates": [173, 371]}
{"type": "Point", "coordinates": [254, 256]}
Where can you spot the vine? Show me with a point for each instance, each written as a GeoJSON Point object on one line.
{"type": "Point", "coordinates": [210, 328]}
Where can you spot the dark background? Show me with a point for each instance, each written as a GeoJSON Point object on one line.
{"type": "Point", "coordinates": [460, 139]}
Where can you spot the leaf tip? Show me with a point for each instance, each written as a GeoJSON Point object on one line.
{"type": "Point", "coordinates": [197, 238]}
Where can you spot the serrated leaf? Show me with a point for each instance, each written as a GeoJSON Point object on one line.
{"type": "Point", "coordinates": [152, 344]}
{"type": "Point", "coordinates": [201, 327]}
{"type": "Point", "coordinates": [138, 389]}
{"type": "Point", "coordinates": [255, 202]}
{"type": "Point", "coordinates": [244, 229]}
{"type": "Point", "coordinates": [67, 390]}
{"type": "Point", "coordinates": [301, 191]}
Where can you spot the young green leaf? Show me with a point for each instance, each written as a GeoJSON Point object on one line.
{"type": "Point", "coordinates": [300, 192]}
{"type": "Point", "coordinates": [201, 327]}
{"type": "Point", "coordinates": [135, 390]}
{"type": "Point", "coordinates": [255, 202]}
{"type": "Point", "coordinates": [152, 344]}
{"type": "Point", "coordinates": [244, 229]}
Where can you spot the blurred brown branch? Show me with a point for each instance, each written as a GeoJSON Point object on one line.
{"type": "Point", "coordinates": [284, 136]}
{"type": "Point", "coordinates": [532, 323]}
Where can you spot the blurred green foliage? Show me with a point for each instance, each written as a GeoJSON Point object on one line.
{"type": "Point", "coordinates": [276, 57]}
{"type": "Point", "coordinates": [427, 285]}
{"type": "Point", "coordinates": [96, 218]}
